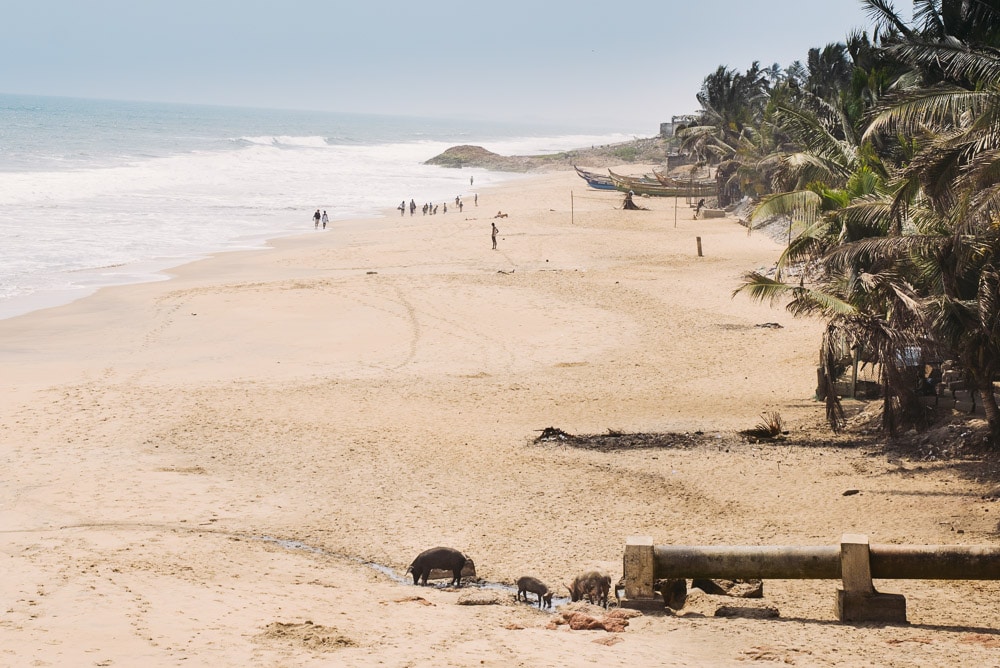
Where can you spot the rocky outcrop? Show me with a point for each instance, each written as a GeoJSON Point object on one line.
{"type": "Point", "coordinates": [477, 156]}
{"type": "Point", "coordinates": [641, 151]}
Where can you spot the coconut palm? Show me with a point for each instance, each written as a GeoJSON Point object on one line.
{"type": "Point", "coordinates": [938, 21]}
{"type": "Point", "coordinates": [954, 118]}
{"type": "Point", "coordinates": [837, 193]}
{"type": "Point", "coordinates": [732, 101]}
{"type": "Point", "coordinates": [944, 190]}
{"type": "Point", "coordinates": [830, 71]}
{"type": "Point", "coordinates": [900, 240]}
{"type": "Point", "coordinates": [732, 104]}
{"type": "Point", "coordinates": [848, 268]}
{"type": "Point", "coordinates": [957, 169]}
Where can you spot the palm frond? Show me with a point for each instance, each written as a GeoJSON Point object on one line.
{"type": "Point", "coordinates": [884, 15]}
{"type": "Point", "coordinates": [942, 106]}
{"type": "Point", "coordinates": [802, 300]}
{"type": "Point", "coordinates": [800, 206]}
{"type": "Point", "coordinates": [808, 130]}
{"type": "Point", "coordinates": [957, 60]}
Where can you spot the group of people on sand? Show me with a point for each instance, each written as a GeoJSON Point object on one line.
{"type": "Point", "coordinates": [431, 208]}
{"type": "Point", "coordinates": [318, 218]}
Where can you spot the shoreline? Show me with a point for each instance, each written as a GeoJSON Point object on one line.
{"type": "Point", "coordinates": [91, 279]}
{"type": "Point", "coordinates": [376, 392]}
{"type": "Point", "coordinates": [134, 273]}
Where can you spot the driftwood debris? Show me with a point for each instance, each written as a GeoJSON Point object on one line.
{"type": "Point", "coordinates": [617, 440]}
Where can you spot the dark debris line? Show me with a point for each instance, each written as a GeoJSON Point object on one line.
{"type": "Point", "coordinates": [614, 440]}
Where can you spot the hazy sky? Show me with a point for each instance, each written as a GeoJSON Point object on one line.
{"type": "Point", "coordinates": [626, 65]}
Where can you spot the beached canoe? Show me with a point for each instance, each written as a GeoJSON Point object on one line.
{"type": "Point", "coordinates": [652, 187]}
{"type": "Point", "coordinates": [672, 182]}
{"type": "Point", "coordinates": [594, 180]}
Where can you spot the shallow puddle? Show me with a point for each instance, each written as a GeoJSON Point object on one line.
{"type": "Point", "coordinates": [404, 579]}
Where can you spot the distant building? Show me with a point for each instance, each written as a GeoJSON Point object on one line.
{"type": "Point", "coordinates": [676, 122]}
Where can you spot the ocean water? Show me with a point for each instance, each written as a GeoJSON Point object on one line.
{"type": "Point", "coordinates": [96, 193]}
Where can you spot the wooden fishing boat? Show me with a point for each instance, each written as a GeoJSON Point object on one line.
{"type": "Point", "coordinates": [644, 180]}
{"type": "Point", "coordinates": [674, 182]}
{"type": "Point", "coordinates": [594, 180]}
{"type": "Point", "coordinates": [653, 188]}
{"type": "Point", "coordinates": [692, 188]}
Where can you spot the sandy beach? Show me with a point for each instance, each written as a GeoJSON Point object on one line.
{"type": "Point", "coordinates": [235, 466]}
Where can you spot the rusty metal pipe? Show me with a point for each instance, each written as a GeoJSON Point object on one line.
{"type": "Point", "coordinates": [888, 562]}
{"type": "Point", "coordinates": [934, 562]}
{"type": "Point", "coordinates": [747, 562]}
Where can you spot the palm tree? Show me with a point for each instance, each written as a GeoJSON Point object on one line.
{"type": "Point", "coordinates": [939, 21]}
{"type": "Point", "coordinates": [732, 101]}
{"type": "Point", "coordinates": [830, 71]}
{"type": "Point", "coordinates": [956, 167]}
{"type": "Point", "coordinates": [852, 273]}
{"type": "Point", "coordinates": [835, 186]}
{"type": "Point", "coordinates": [953, 114]}
{"type": "Point", "coordinates": [900, 209]}
{"type": "Point", "coordinates": [776, 75]}
{"type": "Point", "coordinates": [732, 106]}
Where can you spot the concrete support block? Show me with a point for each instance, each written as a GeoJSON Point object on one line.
{"type": "Point", "coordinates": [874, 607]}
{"type": "Point", "coordinates": [858, 601]}
{"type": "Point", "coordinates": [638, 567]}
{"type": "Point", "coordinates": [855, 563]}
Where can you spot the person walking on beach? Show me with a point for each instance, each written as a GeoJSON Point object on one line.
{"type": "Point", "coordinates": [495, 231]}
{"type": "Point", "coordinates": [470, 180]}
{"type": "Point", "coordinates": [413, 207]}
{"type": "Point", "coordinates": [325, 220]}
{"type": "Point", "coordinates": [475, 199]}
{"type": "Point", "coordinates": [316, 218]}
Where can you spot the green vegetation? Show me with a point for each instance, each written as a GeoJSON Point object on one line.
{"type": "Point", "coordinates": [884, 151]}
{"type": "Point", "coordinates": [626, 153]}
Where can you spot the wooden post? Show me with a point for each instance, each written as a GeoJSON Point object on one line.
{"type": "Point", "coordinates": [699, 246]}
{"type": "Point", "coordinates": [854, 372]}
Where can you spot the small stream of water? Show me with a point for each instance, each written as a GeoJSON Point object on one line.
{"type": "Point", "coordinates": [393, 574]}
